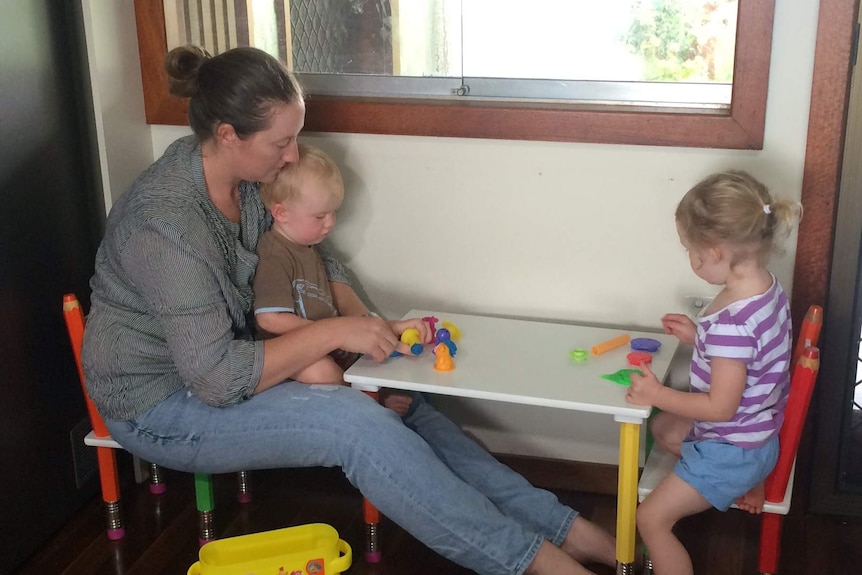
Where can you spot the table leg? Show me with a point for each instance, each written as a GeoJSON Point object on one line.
{"type": "Point", "coordinates": [627, 497]}
{"type": "Point", "coordinates": [372, 518]}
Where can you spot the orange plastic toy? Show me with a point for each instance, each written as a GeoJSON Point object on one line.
{"type": "Point", "coordinates": [610, 344]}
{"type": "Point", "coordinates": [444, 358]}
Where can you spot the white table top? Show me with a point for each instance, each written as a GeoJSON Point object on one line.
{"type": "Point", "coordinates": [520, 361]}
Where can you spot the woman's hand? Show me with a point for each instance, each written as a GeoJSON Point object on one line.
{"type": "Point", "coordinates": [681, 326]}
{"type": "Point", "coordinates": [644, 389]}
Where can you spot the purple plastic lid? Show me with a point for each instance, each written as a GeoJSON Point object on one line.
{"type": "Point", "coordinates": [645, 344]}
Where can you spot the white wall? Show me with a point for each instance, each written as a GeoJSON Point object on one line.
{"type": "Point", "coordinates": [125, 144]}
{"type": "Point", "coordinates": [547, 230]}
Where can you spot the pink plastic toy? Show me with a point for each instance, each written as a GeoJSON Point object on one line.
{"type": "Point", "coordinates": [432, 322]}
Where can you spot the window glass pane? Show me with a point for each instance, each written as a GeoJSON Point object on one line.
{"type": "Point", "coordinates": [428, 36]}
{"type": "Point", "coordinates": [653, 52]}
{"type": "Point", "coordinates": [625, 40]}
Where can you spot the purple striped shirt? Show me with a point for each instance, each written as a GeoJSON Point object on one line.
{"type": "Point", "coordinates": [757, 332]}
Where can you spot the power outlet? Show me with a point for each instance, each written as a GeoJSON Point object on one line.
{"type": "Point", "coordinates": [696, 303]}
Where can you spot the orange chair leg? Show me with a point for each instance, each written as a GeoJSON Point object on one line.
{"type": "Point", "coordinates": [770, 542]}
{"type": "Point", "coordinates": [110, 492]}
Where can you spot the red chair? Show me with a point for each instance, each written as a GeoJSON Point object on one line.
{"type": "Point", "coordinates": [105, 446]}
{"type": "Point", "coordinates": [779, 484]}
{"type": "Point", "coordinates": [809, 333]}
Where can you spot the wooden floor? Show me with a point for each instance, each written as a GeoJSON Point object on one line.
{"type": "Point", "coordinates": [162, 531]}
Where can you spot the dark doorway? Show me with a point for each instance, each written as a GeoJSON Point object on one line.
{"type": "Point", "coordinates": [50, 222]}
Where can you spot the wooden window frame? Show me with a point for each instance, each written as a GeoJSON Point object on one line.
{"type": "Point", "coordinates": [740, 128]}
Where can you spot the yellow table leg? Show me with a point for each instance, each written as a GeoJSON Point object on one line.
{"type": "Point", "coordinates": [627, 496]}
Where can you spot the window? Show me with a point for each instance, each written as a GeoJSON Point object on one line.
{"type": "Point", "coordinates": [451, 67]}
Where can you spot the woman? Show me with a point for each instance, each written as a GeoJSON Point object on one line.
{"type": "Point", "coordinates": [172, 366]}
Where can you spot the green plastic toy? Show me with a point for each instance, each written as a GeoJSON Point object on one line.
{"type": "Point", "coordinates": [623, 376]}
{"type": "Point", "coordinates": [578, 355]}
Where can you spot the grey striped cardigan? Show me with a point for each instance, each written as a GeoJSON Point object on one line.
{"type": "Point", "coordinates": [171, 295]}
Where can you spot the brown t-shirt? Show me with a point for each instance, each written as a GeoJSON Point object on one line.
{"type": "Point", "coordinates": [290, 278]}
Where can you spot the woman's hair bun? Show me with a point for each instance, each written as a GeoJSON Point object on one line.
{"type": "Point", "coordinates": [183, 65]}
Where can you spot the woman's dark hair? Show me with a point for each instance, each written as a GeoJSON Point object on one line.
{"type": "Point", "coordinates": [238, 87]}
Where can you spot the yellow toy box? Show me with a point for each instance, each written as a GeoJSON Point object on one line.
{"type": "Point", "coordinates": [313, 549]}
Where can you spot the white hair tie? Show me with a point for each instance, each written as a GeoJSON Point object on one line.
{"type": "Point", "coordinates": [766, 209]}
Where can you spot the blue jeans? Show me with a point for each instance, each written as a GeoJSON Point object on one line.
{"type": "Point", "coordinates": [422, 472]}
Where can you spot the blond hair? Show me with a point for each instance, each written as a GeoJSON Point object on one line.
{"type": "Point", "coordinates": [311, 163]}
{"type": "Point", "coordinates": [733, 208]}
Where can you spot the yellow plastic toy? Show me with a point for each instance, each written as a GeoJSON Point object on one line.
{"type": "Point", "coordinates": [454, 332]}
{"type": "Point", "coordinates": [410, 336]}
{"type": "Point", "coordinates": [312, 549]}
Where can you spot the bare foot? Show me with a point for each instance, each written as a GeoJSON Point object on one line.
{"type": "Point", "coordinates": [398, 402]}
{"type": "Point", "coordinates": [753, 500]}
{"type": "Point", "coordinates": [586, 542]}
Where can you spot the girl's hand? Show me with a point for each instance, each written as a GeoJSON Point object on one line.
{"type": "Point", "coordinates": [644, 389]}
{"type": "Point", "coordinates": [681, 326]}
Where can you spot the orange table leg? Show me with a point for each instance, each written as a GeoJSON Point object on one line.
{"type": "Point", "coordinates": [372, 521]}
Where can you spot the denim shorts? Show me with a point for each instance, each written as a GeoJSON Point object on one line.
{"type": "Point", "coordinates": [722, 472]}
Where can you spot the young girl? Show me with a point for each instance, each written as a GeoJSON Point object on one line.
{"type": "Point", "coordinates": [725, 430]}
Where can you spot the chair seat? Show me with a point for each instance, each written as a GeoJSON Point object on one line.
{"type": "Point", "coordinates": [95, 441]}
{"type": "Point", "coordinates": [660, 463]}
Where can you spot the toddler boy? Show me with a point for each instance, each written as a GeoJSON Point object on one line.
{"type": "Point", "coordinates": [290, 283]}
